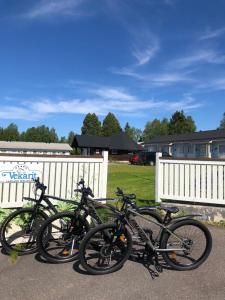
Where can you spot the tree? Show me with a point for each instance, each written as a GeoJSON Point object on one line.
{"type": "Point", "coordinates": [91, 125]}
{"type": "Point", "coordinates": [137, 135]}
{"type": "Point", "coordinates": [128, 130]}
{"type": "Point", "coordinates": [11, 133]}
{"type": "Point", "coordinates": [222, 122]}
{"type": "Point", "coordinates": [70, 138]}
{"type": "Point", "coordinates": [40, 134]}
{"type": "Point", "coordinates": [1, 133]}
{"type": "Point", "coordinates": [179, 123]}
{"type": "Point", "coordinates": [134, 133]}
{"type": "Point", "coordinates": [63, 139]}
{"type": "Point", "coordinates": [155, 128]}
{"type": "Point", "coordinates": [110, 125]}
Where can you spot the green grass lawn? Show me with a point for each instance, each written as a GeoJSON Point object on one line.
{"type": "Point", "coordinates": [139, 180]}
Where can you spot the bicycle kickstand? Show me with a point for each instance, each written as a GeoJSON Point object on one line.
{"type": "Point", "coordinates": [157, 265]}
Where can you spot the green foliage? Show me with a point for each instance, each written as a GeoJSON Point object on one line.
{"type": "Point", "coordinates": [155, 128]}
{"type": "Point", "coordinates": [10, 133]}
{"type": "Point", "coordinates": [40, 134]}
{"type": "Point", "coordinates": [4, 212]}
{"type": "Point", "coordinates": [134, 133]}
{"type": "Point", "coordinates": [222, 122]}
{"type": "Point", "coordinates": [63, 139]}
{"type": "Point", "coordinates": [64, 206]}
{"type": "Point", "coordinates": [179, 123]}
{"type": "Point", "coordinates": [70, 138]}
{"type": "Point", "coordinates": [110, 125]}
{"type": "Point", "coordinates": [91, 125]}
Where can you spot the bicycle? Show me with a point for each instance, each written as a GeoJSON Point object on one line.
{"type": "Point", "coordinates": [59, 237]}
{"type": "Point", "coordinates": [19, 230]}
{"type": "Point", "coordinates": [107, 247]}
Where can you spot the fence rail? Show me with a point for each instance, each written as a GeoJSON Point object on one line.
{"type": "Point", "coordinates": [60, 174]}
{"type": "Point", "coordinates": [191, 180]}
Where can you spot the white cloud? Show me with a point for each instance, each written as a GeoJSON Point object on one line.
{"type": "Point", "coordinates": [17, 113]}
{"type": "Point", "coordinates": [130, 105]}
{"type": "Point", "coordinates": [145, 48]}
{"type": "Point", "coordinates": [156, 79]}
{"type": "Point", "coordinates": [188, 103]}
{"type": "Point", "coordinates": [214, 84]}
{"type": "Point", "coordinates": [99, 100]}
{"type": "Point", "coordinates": [112, 93]}
{"type": "Point", "coordinates": [211, 34]}
{"type": "Point", "coordinates": [219, 84]}
{"type": "Point", "coordinates": [199, 57]}
{"type": "Point", "coordinates": [46, 8]}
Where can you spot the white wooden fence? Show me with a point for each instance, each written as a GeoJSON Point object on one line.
{"type": "Point", "coordinates": [59, 173]}
{"type": "Point", "coordinates": [191, 180]}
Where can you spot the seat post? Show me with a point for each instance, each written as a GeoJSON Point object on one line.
{"type": "Point", "coordinates": [167, 218]}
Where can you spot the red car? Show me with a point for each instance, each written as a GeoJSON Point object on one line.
{"type": "Point", "coordinates": [145, 158]}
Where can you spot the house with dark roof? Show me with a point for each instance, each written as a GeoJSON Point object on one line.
{"type": "Point", "coordinates": [209, 143]}
{"type": "Point", "coordinates": [116, 144]}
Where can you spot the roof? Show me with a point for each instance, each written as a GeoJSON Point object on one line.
{"type": "Point", "coordinates": [91, 141]}
{"type": "Point", "coordinates": [35, 146]}
{"type": "Point", "coordinates": [121, 141]}
{"type": "Point", "coordinates": [118, 141]}
{"type": "Point", "coordinates": [201, 136]}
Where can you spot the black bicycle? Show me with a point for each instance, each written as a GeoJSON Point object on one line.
{"type": "Point", "coordinates": [60, 236]}
{"type": "Point", "coordinates": [19, 230]}
{"type": "Point", "coordinates": [184, 242]}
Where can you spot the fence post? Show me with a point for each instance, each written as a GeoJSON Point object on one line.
{"type": "Point", "coordinates": [104, 174]}
{"type": "Point", "coordinates": [157, 177]}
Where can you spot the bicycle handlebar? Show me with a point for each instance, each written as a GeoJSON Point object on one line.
{"type": "Point", "coordinates": [39, 185]}
{"type": "Point", "coordinates": [83, 189]}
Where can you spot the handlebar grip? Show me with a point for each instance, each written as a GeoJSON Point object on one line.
{"type": "Point", "coordinates": [78, 190]}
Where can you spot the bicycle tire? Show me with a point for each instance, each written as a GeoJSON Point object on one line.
{"type": "Point", "coordinates": [22, 247]}
{"type": "Point", "coordinates": [46, 247]}
{"type": "Point", "coordinates": [181, 228]}
{"type": "Point", "coordinates": [96, 231]}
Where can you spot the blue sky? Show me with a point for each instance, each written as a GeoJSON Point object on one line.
{"type": "Point", "coordinates": [140, 59]}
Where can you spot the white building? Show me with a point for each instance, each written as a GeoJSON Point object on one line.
{"type": "Point", "coordinates": [35, 148]}
{"type": "Point", "coordinates": [209, 143]}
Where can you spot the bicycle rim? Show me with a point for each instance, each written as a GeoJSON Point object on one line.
{"type": "Point", "coordinates": [105, 249]}
{"type": "Point", "coordinates": [60, 237]}
{"type": "Point", "coordinates": [19, 233]}
{"type": "Point", "coordinates": [194, 244]}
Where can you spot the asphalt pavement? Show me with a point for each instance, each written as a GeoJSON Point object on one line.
{"type": "Point", "coordinates": [27, 278]}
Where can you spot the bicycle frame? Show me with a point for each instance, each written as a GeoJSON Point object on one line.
{"type": "Point", "coordinates": [144, 236]}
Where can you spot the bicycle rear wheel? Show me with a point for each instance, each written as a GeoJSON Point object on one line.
{"type": "Point", "coordinates": [194, 241]}
{"type": "Point", "coordinates": [19, 231]}
{"type": "Point", "coordinates": [59, 237]}
{"type": "Point", "coordinates": [105, 249]}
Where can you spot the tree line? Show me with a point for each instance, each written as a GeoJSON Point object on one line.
{"type": "Point", "coordinates": [178, 123]}
{"type": "Point", "coordinates": [34, 134]}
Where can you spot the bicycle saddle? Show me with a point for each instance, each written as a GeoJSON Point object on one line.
{"type": "Point", "coordinates": [171, 209]}
{"type": "Point", "coordinates": [130, 196]}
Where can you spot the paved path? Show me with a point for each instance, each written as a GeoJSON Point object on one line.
{"type": "Point", "coordinates": [29, 279]}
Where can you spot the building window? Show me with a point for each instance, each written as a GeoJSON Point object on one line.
{"type": "Point", "coordinates": [114, 151]}
{"type": "Point", "coordinates": [222, 149]}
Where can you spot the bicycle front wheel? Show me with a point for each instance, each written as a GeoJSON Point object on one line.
{"type": "Point", "coordinates": [19, 231]}
{"type": "Point", "coordinates": [190, 242]}
{"type": "Point", "coordinates": [59, 237]}
{"type": "Point", "coordinates": [105, 249]}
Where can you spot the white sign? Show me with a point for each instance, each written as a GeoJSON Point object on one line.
{"type": "Point", "coordinates": [20, 172]}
